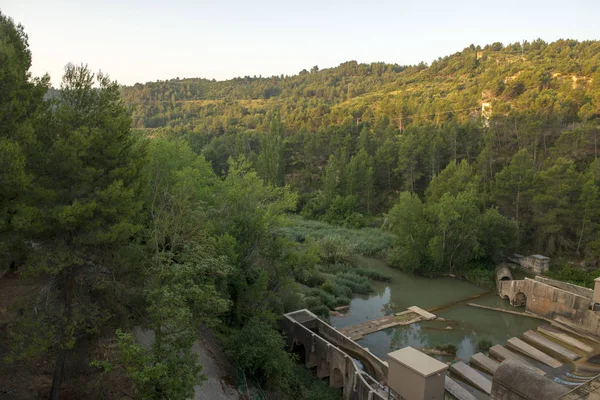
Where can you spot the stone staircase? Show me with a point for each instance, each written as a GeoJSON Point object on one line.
{"type": "Point", "coordinates": [551, 352]}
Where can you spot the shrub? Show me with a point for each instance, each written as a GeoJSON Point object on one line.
{"type": "Point", "coordinates": [447, 348]}
{"type": "Point", "coordinates": [483, 345]}
{"type": "Point", "coordinates": [336, 289]}
{"type": "Point", "coordinates": [373, 274]}
{"type": "Point", "coordinates": [320, 310]}
{"type": "Point", "coordinates": [356, 283]}
{"type": "Point", "coordinates": [335, 250]}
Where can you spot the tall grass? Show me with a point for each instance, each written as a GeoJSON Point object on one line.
{"type": "Point", "coordinates": [365, 241]}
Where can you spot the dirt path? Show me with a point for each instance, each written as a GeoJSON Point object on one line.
{"type": "Point", "coordinates": [216, 386]}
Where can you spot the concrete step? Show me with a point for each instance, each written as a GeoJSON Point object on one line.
{"type": "Point", "coordinates": [503, 353]}
{"type": "Point", "coordinates": [549, 346]}
{"type": "Point", "coordinates": [473, 377]}
{"type": "Point", "coordinates": [458, 391]}
{"type": "Point", "coordinates": [563, 337]}
{"type": "Point", "coordinates": [532, 352]}
{"type": "Point", "coordinates": [485, 363]}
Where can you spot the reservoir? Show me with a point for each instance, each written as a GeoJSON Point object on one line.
{"type": "Point", "coordinates": [464, 325]}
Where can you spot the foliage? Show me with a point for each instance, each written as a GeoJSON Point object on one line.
{"type": "Point", "coordinates": [446, 234]}
{"type": "Point", "coordinates": [483, 345]}
{"type": "Point", "coordinates": [162, 372]}
{"type": "Point", "coordinates": [364, 241]}
{"type": "Point", "coordinates": [302, 385]}
{"type": "Point", "coordinates": [446, 348]}
{"type": "Point", "coordinates": [260, 350]}
{"type": "Point", "coordinates": [576, 276]}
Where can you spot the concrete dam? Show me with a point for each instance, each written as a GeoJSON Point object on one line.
{"type": "Point", "coordinates": [560, 360]}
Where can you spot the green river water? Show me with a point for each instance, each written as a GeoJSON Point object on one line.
{"type": "Point", "coordinates": [469, 324]}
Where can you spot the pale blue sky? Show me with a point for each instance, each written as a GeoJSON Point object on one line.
{"type": "Point", "coordinates": [145, 40]}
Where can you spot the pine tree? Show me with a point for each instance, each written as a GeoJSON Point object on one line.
{"type": "Point", "coordinates": [85, 203]}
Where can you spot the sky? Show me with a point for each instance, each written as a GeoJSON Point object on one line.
{"type": "Point", "coordinates": [147, 40]}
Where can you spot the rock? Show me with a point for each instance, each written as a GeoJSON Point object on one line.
{"type": "Point", "coordinates": [342, 308]}
{"type": "Point", "coordinates": [448, 328]}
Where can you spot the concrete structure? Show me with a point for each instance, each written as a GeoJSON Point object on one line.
{"type": "Point", "coordinates": [549, 346]}
{"type": "Point", "coordinates": [473, 377]}
{"type": "Point", "coordinates": [588, 391]}
{"type": "Point", "coordinates": [414, 375]}
{"type": "Point", "coordinates": [502, 353]}
{"type": "Point", "coordinates": [596, 295]}
{"type": "Point", "coordinates": [515, 381]}
{"type": "Point", "coordinates": [536, 263]}
{"type": "Point", "coordinates": [458, 391]}
{"type": "Point", "coordinates": [530, 351]}
{"type": "Point", "coordinates": [485, 363]}
{"type": "Point", "coordinates": [565, 338]}
{"type": "Point", "coordinates": [321, 346]}
{"type": "Point", "coordinates": [410, 316]}
{"type": "Point", "coordinates": [544, 297]}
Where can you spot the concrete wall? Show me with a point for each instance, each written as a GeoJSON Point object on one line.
{"type": "Point", "coordinates": [327, 357]}
{"type": "Point", "coordinates": [535, 263]}
{"type": "Point", "coordinates": [589, 391]}
{"type": "Point", "coordinates": [569, 287]}
{"type": "Point", "coordinates": [551, 302]}
{"type": "Point", "coordinates": [373, 364]}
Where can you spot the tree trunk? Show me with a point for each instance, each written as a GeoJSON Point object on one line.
{"type": "Point", "coordinates": [517, 214]}
{"type": "Point", "coordinates": [58, 373]}
{"type": "Point", "coordinates": [580, 237]}
{"type": "Point", "coordinates": [67, 289]}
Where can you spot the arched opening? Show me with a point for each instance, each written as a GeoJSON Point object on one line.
{"type": "Point", "coordinates": [505, 278]}
{"type": "Point", "coordinates": [336, 380]}
{"type": "Point", "coordinates": [520, 299]}
{"type": "Point", "coordinates": [300, 351]}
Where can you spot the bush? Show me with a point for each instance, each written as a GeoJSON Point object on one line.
{"type": "Point", "coordinates": [335, 250]}
{"type": "Point", "coordinates": [315, 279]}
{"type": "Point", "coordinates": [320, 310]}
{"type": "Point", "coordinates": [302, 385]}
{"type": "Point", "coordinates": [356, 283]}
{"type": "Point", "coordinates": [573, 275]}
{"type": "Point", "coordinates": [480, 276]}
{"type": "Point", "coordinates": [326, 298]}
{"type": "Point", "coordinates": [336, 289]}
{"type": "Point", "coordinates": [342, 211]}
{"type": "Point", "coordinates": [373, 274]}
{"type": "Point", "coordinates": [259, 349]}
{"type": "Point", "coordinates": [447, 348]}
{"type": "Point", "coordinates": [483, 345]}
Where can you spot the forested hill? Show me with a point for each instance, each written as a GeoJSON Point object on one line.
{"type": "Point", "coordinates": [560, 77]}
{"type": "Point", "coordinates": [514, 125]}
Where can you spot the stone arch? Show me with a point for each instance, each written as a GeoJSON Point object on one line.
{"type": "Point", "coordinates": [299, 349]}
{"type": "Point", "coordinates": [520, 299]}
{"type": "Point", "coordinates": [503, 274]}
{"type": "Point", "coordinates": [336, 379]}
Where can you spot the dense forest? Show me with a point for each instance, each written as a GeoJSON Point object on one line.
{"type": "Point", "coordinates": [189, 204]}
{"type": "Point", "coordinates": [505, 131]}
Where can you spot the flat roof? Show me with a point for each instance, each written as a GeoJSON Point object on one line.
{"type": "Point", "coordinates": [417, 361]}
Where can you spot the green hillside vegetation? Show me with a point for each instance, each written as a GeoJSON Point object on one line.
{"type": "Point", "coordinates": [350, 139]}
{"type": "Point", "coordinates": [172, 205]}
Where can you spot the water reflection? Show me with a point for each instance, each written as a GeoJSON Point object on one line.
{"type": "Point", "coordinates": [464, 327]}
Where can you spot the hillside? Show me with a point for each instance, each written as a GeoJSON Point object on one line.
{"type": "Point", "coordinates": [350, 138]}
{"type": "Point", "coordinates": [535, 77]}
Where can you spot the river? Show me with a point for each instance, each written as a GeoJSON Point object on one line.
{"type": "Point", "coordinates": [469, 324]}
